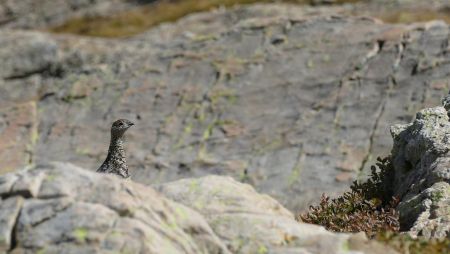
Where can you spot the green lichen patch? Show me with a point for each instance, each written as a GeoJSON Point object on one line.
{"type": "Point", "coordinates": [80, 234]}
{"type": "Point", "coordinates": [262, 250]}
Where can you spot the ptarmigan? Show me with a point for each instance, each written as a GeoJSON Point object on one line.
{"type": "Point", "coordinates": [115, 162]}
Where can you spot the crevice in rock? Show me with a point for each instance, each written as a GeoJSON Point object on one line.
{"type": "Point", "coordinates": [23, 193]}
{"type": "Point", "coordinates": [55, 213]}
{"type": "Point", "coordinates": [337, 102]}
{"type": "Point", "coordinates": [398, 59]}
{"type": "Point", "coordinates": [46, 95]}
{"type": "Point", "coordinates": [380, 44]}
{"type": "Point", "coordinates": [54, 196]}
{"type": "Point", "coordinates": [7, 21]}
{"type": "Point", "coordinates": [27, 74]}
{"type": "Point", "coordinates": [415, 68]}
{"type": "Point", "coordinates": [394, 81]}
{"type": "Point", "coordinates": [14, 232]}
{"type": "Point", "coordinates": [372, 134]}
{"type": "Point", "coordinates": [378, 47]}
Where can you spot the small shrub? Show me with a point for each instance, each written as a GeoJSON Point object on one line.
{"type": "Point", "coordinates": [379, 185]}
{"type": "Point", "coordinates": [368, 207]}
{"type": "Point", "coordinates": [353, 213]}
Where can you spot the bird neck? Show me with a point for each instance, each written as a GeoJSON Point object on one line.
{"type": "Point", "coordinates": [116, 146]}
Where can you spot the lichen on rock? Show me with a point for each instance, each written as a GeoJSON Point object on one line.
{"type": "Point", "coordinates": [421, 162]}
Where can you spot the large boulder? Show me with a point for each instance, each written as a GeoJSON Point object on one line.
{"type": "Point", "coordinates": [60, 208]}
{"type": "Point", "coordinates": [421, 161]}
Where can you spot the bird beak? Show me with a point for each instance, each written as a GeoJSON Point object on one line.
{"type": "Point", "coordinates": [131, 124]}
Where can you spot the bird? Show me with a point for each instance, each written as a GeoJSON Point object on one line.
{"type": "Point", "coordinates": [115, 162]}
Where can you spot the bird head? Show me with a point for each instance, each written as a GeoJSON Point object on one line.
{"type": "Point", "coordinates": [119, 127]}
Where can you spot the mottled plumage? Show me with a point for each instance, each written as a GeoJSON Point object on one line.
{"type": "Point", "coordinates": [115, 162]}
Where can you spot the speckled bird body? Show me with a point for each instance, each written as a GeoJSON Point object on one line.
{"type": "Point", "coordinates": [115, 162]}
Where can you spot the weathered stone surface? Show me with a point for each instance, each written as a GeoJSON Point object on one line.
{"type": "Point", "coordinates": [214, 194]}
{"type": "Point", "coordinates": [248, 221]}
{"type": "Point", "coordinates": [77, 211]}
{"type": "Point", "coordinates": [274, 100]}
{"type": "Point", "coordinates": [23, 54]}
{"type": "Point", "coordinates": [18, 134]}
{"type": "Point", "coordinates": [9, 210]}
{"type": "Point", "coordinates": [421, 162]}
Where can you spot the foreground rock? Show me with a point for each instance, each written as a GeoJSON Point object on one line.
{"type": "Point", "coordinates": [421, 159]}
{"type": "Point", "coordinates": [248, 221]}
{"type": "Point", "coordinates": [60, 208]}
{"type": "Point", "coordinates": [275, 100]}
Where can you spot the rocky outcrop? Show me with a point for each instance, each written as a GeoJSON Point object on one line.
{"type": "Point", "coordinates": [275, 100]}
{"type": "Point", "coordinates": [60, 208]}
{"type": "Point", "coordinates": [421, 161]}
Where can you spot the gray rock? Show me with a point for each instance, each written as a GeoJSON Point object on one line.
{"type": "Point", "coordinates": [77, 211]}
{"type": "Point", "coordinates": [9, 211]}
{"type": "Point", "coordinates": [24, 54]}
{"type": "Point", "coordinates": [248, 221]}
{"type": "Point", "coordinates": [421, 165]}
{"type": "Point", "coordinates": [18, 132]}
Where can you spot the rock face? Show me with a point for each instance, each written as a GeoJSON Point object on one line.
{"type": "Point", "coordinates": [421, 162]}
{"type": "Point", "coordinates": [60, 208]}
{"type": "Point", "coordinates": [294, 104]}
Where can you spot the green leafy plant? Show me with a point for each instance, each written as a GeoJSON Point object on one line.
{"type": "Point", "coordinates": [379, 184]}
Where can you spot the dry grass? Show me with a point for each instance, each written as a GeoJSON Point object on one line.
{"type": "Point", "coordinates": [410, 16]}
{"type": "Point", "coordinates": [142, 18]}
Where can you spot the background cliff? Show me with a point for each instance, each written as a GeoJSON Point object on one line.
{"type": "Point", "coordinates": [294, 100]}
